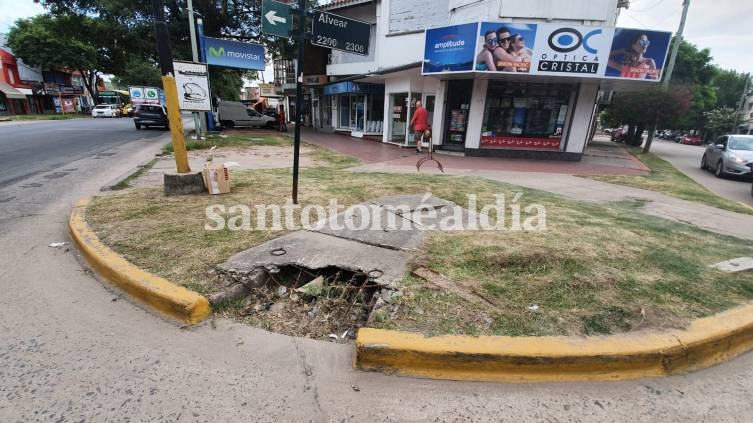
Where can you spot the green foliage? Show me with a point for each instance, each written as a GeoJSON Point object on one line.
{"type": "Point", "coordinates": [139, 71]}
{"type": "Point", "coordinates": [720, 121]}
{"type": "Point", "coordinates": [729, 86]}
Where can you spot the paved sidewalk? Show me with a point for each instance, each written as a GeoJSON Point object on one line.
{"type": "Point", "coordinates": [555, 177]}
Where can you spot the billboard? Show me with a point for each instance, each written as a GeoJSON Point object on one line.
{"type": "Point", "coordinates": [638, 54]}
{"type": "Point", "coordinates": [567, 50]}
{"type": "Point", "coordinates": [505, 47]}
{"type": "Point", "coordinates": [549, 49]}
{"type": "Point", "coordinates": [450, 49]}
{"type": "Point", "coordinates": [192, 80]}
{"type": "Point", "coordinates": [234, 54]}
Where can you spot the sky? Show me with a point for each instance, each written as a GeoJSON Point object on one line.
{"type": "Point", "coordinates": [723, 26]}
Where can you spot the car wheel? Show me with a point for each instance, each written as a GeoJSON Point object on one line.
{"type": "Point", "coordinates": [704, 166]}
{"type": "Point", "coordinates": [138, 125]}
{"type": "Point", "coordinates": [719, 172]}
{"type": "Point", "coordinates": [227, 124]}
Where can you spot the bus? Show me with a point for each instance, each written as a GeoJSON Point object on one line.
{"type": "Point", "coordinates": [119, 97]}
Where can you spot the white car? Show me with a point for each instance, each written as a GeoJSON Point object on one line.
{"type": "Point", "coordinates": [106, 110]}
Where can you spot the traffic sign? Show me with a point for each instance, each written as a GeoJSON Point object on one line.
{"type": "Point", "coordinates": [275, 18]}
{"type": "Point", "coordinates": [341, 33]}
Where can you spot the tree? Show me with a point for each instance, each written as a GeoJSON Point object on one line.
{"type": "Point", "coordinates": [729, 86]}
{"type": "Point", "coordinates": [642, 109]}
{"type": "Point", "coordinates": [67, 41]}
{"type": "Point", "coordinates": [719, 121]}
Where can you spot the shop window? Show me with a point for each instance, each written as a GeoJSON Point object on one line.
{"type": "Point", "coordinates": [328, 111]}
{"type": "Point", "coordinates": [374, 113]}
{"type": "Point", "coordinates": [344, 122]}
{"type": "Point", "coordinates": [525, 115]}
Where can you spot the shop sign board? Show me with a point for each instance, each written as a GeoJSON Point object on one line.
{"type": "Point", "coordinates": [340, 33]}
{"type": "Point", "coordinates": [234, 54]}
{"type": "Point", "coordinates": [545, 49]}
{"type": "Point", "coordinates": [638, 54]}
{"type": "Point", "coordinates": [146, 95]}
{"type": "Point", "coordinates": [450, 49]}
{"type": "Point", "coordinates": [192, 80]}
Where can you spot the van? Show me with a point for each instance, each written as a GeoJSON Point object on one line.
{"type": "Point", "coordinates": [232, 113]}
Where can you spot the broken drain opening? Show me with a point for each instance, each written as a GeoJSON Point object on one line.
{"type": "Point", "coordinates": [317, 303]}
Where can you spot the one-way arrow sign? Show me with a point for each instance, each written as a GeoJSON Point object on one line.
{"type": "Point", "coordinates": [273, 18]}
{"type": "Point", "coordinates": [276, 19]}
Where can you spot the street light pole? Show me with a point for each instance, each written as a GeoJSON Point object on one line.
{"type": "Point", "coordinates": [670, 67]}
{"type": "Point", "coordinates": [298, 96]}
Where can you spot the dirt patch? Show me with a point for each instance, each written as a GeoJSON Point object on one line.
{"type": "Point", "coordinates": [253, 157]}
{"type": "Point", "coordinates": [329, 303]}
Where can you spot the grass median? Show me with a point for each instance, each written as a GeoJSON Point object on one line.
{"type": "Point", "coordinates": [596, 270]}
{"type": "Point", "coordinates": [666, 179]}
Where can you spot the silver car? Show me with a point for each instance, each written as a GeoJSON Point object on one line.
{"type": "Point", "coordinates": [729, 155]}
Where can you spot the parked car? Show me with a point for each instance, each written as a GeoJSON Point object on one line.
{"type": "Point", "coordinates": [106, 110]}
{"type": "Point", "coordinates": [147, 115]}
{"type": "Point", "coordinates": [234, 113]}
{"type": "Point", "coordinates": [729, 155]}
{"type": "Point", "coordinates": [690, 139]}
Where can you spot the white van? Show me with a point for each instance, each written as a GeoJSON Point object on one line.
{"type": "Point", "coordinates": [233, 113]}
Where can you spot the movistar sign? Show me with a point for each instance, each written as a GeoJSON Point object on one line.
{"type": "Point", "coordinates": [234, 54]}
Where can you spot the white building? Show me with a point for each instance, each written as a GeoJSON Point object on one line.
{"type": "Point", "coordinates": [543, 108]}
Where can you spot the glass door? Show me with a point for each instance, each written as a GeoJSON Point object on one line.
{"type": "Point", "coordinates": [456, 115]}
{"type": "Point", "coordinates": [399, 118]}
{"type": "Point", "coordinates": [357, 112]}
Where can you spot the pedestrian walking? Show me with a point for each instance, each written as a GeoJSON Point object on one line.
{"type": "Point", "coordinates": [419, 123]}
{"type": "Point", "coordinates": [281, 120]}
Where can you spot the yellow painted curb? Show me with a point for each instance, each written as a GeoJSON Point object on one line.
{"type": "Point", "coordinates": [704, 343]}
{"type": "Point", "coordinates": [158, 293]}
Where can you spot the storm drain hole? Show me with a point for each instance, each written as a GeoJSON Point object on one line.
{"type": "Point", "coordinates": [317, 303]}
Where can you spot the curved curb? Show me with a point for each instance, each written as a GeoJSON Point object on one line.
{"type": "Point", "coordinates": [705, 342]}
{"type": "Point", "coordinates": [158, 293]}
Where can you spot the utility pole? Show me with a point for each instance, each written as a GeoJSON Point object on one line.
{"type": "Point", "coordinates": [670, 67]}
{"type": "Point", "coordinates": [741, 104]}
{"type": "Point", "coordinates": [195, 56]}
{"type": "Point", "coordinates": [298, 96]}
{"type": "Point", "coordinates": [171, 90]}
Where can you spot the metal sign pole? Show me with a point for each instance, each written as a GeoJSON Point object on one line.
{"type": "Point", "coordinates": [298, 96]}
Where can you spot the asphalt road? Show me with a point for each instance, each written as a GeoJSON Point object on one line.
{"type": "Point", "coordinates": [687, 158]}
{"type": "Point", "coordinates": [72, 349]}
{"type": "Point", "coordinates": [31, 148]}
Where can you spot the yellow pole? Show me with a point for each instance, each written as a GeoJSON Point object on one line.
{"type": "Point", "coordinates": [176, 124]}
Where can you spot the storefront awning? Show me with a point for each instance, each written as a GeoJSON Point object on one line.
{"type": "Point", "coordinates": [25, 91]}
{"type": "Point", "coordinates": [11, 92]}
{"type": "Point", "coordinates": [350, 87]}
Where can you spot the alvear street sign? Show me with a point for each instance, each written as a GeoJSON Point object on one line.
{"type": "Point", "coordinates": [340, 33]}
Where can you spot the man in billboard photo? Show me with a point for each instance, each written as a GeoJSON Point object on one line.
{"type": "Point", "coordinates": [631, 62]}
{"type": "Point", "coordinates": [502, 56]}
{"type": "Point", "coordinates": [485, 58]}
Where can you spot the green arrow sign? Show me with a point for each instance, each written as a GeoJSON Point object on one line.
{"type": "Point", "coordinates": [276, 19]}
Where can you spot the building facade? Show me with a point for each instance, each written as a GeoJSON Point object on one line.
{"type": "Point", "coordinates": [540, 106]}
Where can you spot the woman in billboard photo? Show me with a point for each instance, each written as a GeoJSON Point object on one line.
{"type": "Point", "coordinates": [485, 58]}
{"type": "Point", "coordinates": [631, 62]}
{"type": "Point", "coordinates": [520, 53]}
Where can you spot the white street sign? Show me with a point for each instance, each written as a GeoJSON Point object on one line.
{"type": "Point", "coordinates": [192, 80]}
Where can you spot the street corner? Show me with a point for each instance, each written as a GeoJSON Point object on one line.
{"type": "Point", "coordinates": [156, 293]}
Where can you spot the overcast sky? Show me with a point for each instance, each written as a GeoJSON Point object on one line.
{"type": "Point", "coordinates": [723, 26]}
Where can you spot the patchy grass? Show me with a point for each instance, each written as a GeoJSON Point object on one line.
{"type": "Point", "coordinates": [235, 140]}
{"type": "Point", "coordinates": [666, 179]}
{"type": "Point", "coordinates": [597, 269]}
{"type": "Point", "coordinates": [126, 183]}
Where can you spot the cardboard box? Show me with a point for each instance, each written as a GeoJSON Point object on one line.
{"type": "Point", "coordinates": [216, 178]}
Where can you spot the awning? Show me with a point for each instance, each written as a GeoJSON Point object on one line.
{"type": "Point", "coordinates": [11, 92]}
{"type": "Point", "coordinates": [25, 91]}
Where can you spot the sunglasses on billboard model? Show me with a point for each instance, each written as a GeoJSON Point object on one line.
{"type": "Point", "coordinates": [492, 41]}
{"type": "Point", "coordinates": [644, 43]}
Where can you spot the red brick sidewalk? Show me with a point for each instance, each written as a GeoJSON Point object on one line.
{"type": "Point", "coordinates": [599, 159]}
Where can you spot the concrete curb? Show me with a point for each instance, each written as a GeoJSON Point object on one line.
{"type": "Point", "coordinates": [155, 292]}
{"type": "Point", "coordinates": [704, 343]}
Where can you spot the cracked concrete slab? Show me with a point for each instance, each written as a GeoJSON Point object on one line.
{"type": "Point", "coordinates": [740, 264]}
{"type": "Point", "coordinates": [313, 250]}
